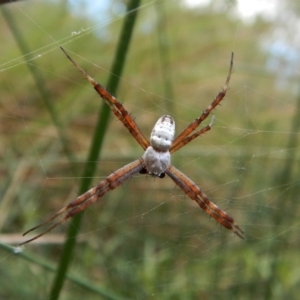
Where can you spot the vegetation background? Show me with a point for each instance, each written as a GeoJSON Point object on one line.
{"type": "Point", "coordinates": [146, 239]}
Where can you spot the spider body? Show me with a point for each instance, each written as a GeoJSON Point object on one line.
{"type": "Point", "coordinates": [157, 156]}
{"type": "Point", "coordinates": [156, 160]}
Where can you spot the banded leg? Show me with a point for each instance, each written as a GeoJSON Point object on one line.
{"type": "Point", "coordinates": [195, 193]}
{"type": "Point", "coordinates": [177, 143]}
{"type": "Point", "coordinates": [115, 105]}
{"type": "Point", "coordinates": [189, 138]}
{"type": "Point", "coordinates": [89, 197]}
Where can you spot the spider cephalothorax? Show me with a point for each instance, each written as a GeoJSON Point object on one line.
{"type": "Point", "coordinates": [156, 160]}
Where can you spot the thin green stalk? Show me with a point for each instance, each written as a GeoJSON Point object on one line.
{"type": "Point", "coordinates": [283, 179]}
{"type": "Point", "coordinates": [100, 129]}
{"type": "Point", "coordinates": [73, 278]}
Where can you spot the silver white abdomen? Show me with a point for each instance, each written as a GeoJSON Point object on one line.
{"type": "Point", "coordinates": [162, 134]}
{"type": "Point", "coordinates": [157, 156]}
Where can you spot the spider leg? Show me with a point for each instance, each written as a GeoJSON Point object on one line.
{"type": "Point", "coordinates": [184, 136]}
{"type": "Point", "coordinates": [189, 138]}
{"type": "Point", "coordinates": [195, 193]}
{"type": "Point", "coordinates": [115, 105]}
{"type": "Point", "coordinates": [76, 202]}
{"type": "Point", "coordinates": [83, 201]}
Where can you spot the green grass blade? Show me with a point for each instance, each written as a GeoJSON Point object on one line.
{"type": "Point", "coordinates": [97, 141]}
{"type": "Point", "coordinates": [73, 278]}
{"type": "Point", "coordinates": [40, 84]}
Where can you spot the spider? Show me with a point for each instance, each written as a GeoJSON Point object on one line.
{"type": "Point", "coordinates": [156, 160]}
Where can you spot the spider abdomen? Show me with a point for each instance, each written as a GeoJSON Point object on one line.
{"type": "Point", "coordinates": [162, 134]}
{"type": "Point", "coordinates": [157, 156]}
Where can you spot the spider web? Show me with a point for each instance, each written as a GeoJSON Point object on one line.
{"type": "Point", "coordinates": [147, 239]}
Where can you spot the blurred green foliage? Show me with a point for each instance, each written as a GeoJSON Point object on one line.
{"type": "Point", "coordinates": [146, 239]}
